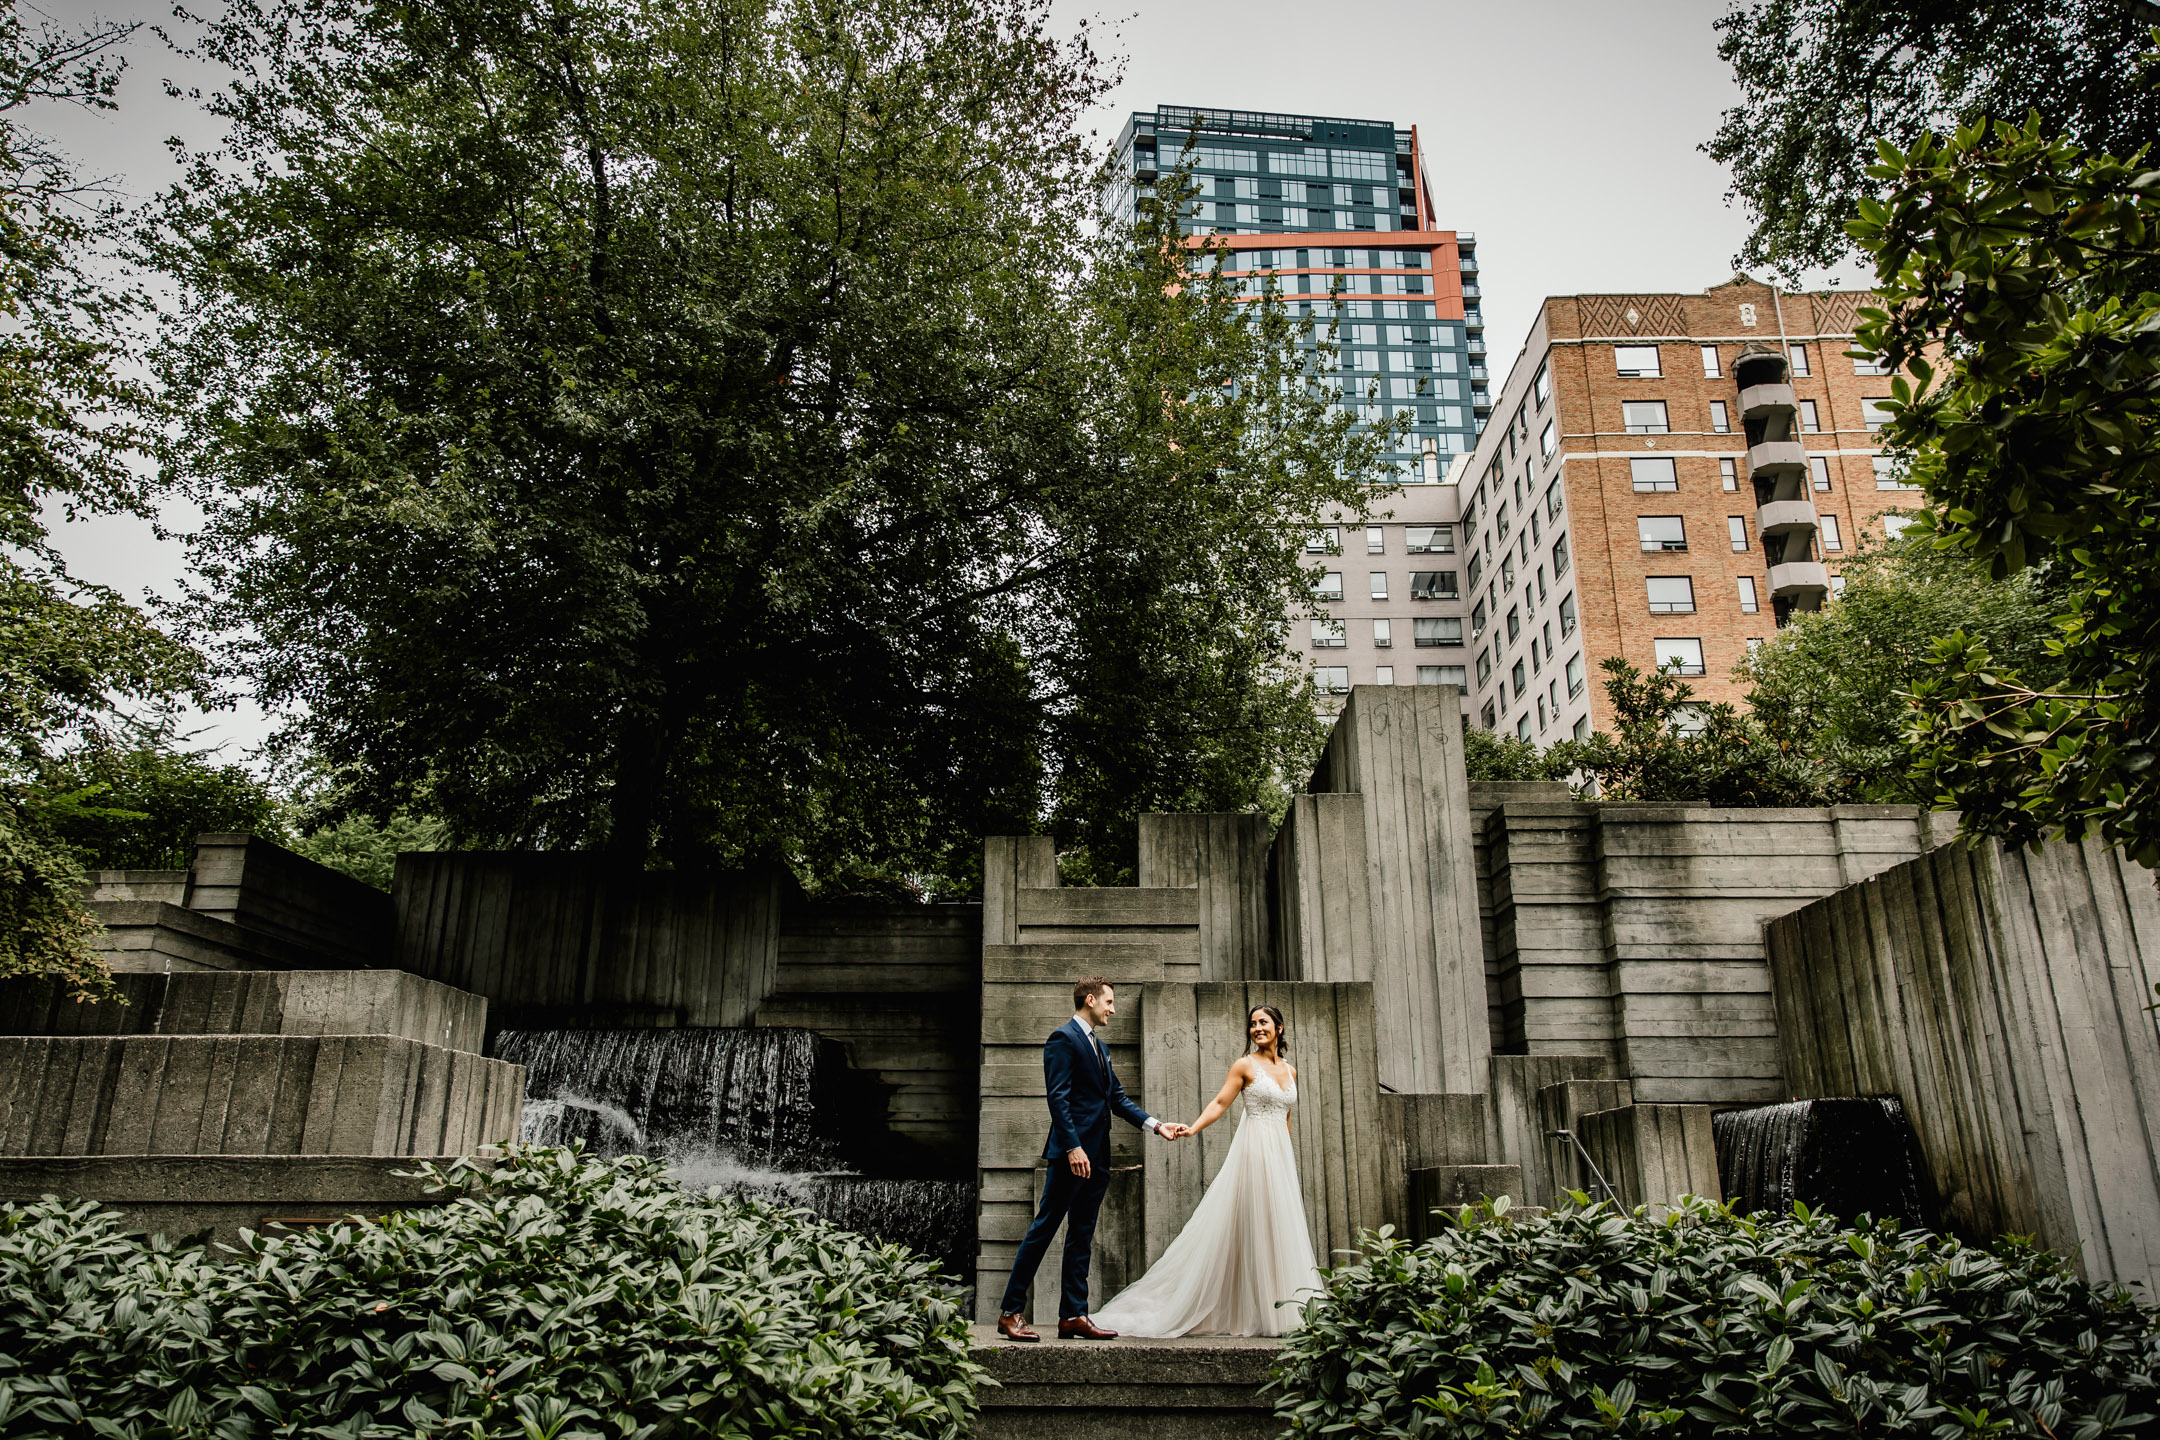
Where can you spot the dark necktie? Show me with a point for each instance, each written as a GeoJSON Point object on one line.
{"type": "Point", "coordinates": [1101, 1061]}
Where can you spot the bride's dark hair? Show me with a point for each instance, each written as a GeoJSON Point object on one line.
{"type": "Point", "coordinates": [1282, 1033]}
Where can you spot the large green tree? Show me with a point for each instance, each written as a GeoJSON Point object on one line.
{"type": "Point", "coordinates": [2032, 265]}
{"type": "Point", "coordinates": [1822, 80]}
{"type": "Point", "coordinates": [704, 429]}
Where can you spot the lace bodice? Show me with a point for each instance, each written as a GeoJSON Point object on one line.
{"type": "Point", "coordinates": [1265, 1100]}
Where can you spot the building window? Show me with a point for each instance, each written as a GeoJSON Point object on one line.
{"type": "Point", "coordinates": [1892, 474]}
{"type": "Point", "coordinates": [1720, 418]}
{"type": "Point", "coordinates": [1671, 595]}
{"type": "Point", "coordinates": [1876, 413]}
{"type": "Point", "coordinates": [1507, 570]}
{"type": "Point", "coordinates": [1477, 563]}
{"type": "Point", "coordinates": [1521, 680]}
{"type": "Point", "coordinates": [1644, 417]}
{"type": "Point", "coordinates": [1484, 673]}
{"type": "Point", "coordinates": [1894, 525]}
{"type": "Point", "coordinates": [1736, 531]}
{"type": "Point", "coordinates": [1637, 362]}
{"type": "Point", "coordinates": [1559, 557]}
{"type": "Point", "coordinates": [1729, 474]}
{"type": "Point", "coordinates": [1709, 362]}
{"type": "Point", "coordinates": [1379, 583]}
{"type": "Point", "coordinates": [1582, 727]}
{"type": "Point", "coordinates": [1541, 385]}
{"type": "Point", "coordinates": [1522, 726]}
{"type": "Point", "coordinates": [1830, 538]}
{"type": "Point", "coordinates": [1433, 585]}
{"type": "Point", "coordinates": [1567, 616]}
{"type": "Point", "coordinates": [1810, 420]}
{"type": "Point", "coordinates": [1380, 635]}
{"type": "Point", "coordinates": [1819, 472]}
{"type": "Point", "coordinates": [1375, 540]}
{"type": "Point", "coordinates": [1325, 541]}
{"type": "Point", "coordinates": [1437, 630]}
{"type": "Point", "coordinates": [1430, 539]}
{"type": "Point", "coordinates": [1800, 361]}
{"type": "Point", "coordinates": [1549, 438]}
{"type": "Point", "coordinates": [1552, 501]}
{"type": "Point", "coordinates": [1329, 586]}
{"type": "Point", "coordinates": [1866, 364]}
{"type": "Point", "coordinates": [1441, 675]}
{"type": "Point", "coordinates": [1486, 717]}
{"type": "Point", "coordinates": [1385, 675]}
{"type": "Point", "coordinates": [1541, 714]}
{"type": "Point", "coordinates": [1575, 679]}
{"type": "Point", "coordinates": [1327, 634]}
{"type": "Point", "coordinates": [1331, 679]}
{"type": "Point", "coordinates": [1514, 628]}
{"type": "Point", "coordinates": [1653, 472]}
{"type": "Point", "coordinates": [1661, 532]}
{"type": "Point", "coordinates": [1678, 657]}
{"type": "Point", "coordinates": [1748, 606]}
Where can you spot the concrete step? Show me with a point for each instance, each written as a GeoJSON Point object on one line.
{"type": "Point", "coordinates": [254, 1002]}
{"type": "Point", "coordinates": [182, 1195]}
{"type": "Point", "coordinates": [1197, 1388]}
{"type": "Point", "coordinates": [1450, 1187]}
{"type": "Point", "coordinates": [251, 1095]}
{"type": "Point", "coordinates": [156, 935]}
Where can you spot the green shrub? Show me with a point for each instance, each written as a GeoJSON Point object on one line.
{"type": "Point", "coordinates": [557, 1297]}
{"type": "Point", "coordinates": [1595, 1322]}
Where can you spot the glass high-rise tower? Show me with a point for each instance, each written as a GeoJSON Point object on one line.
{"type": "Point", "coordinates": [1341, 211]}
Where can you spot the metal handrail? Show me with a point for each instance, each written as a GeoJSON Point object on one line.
{"type": "Point", "coordinates": [1595, 1173]}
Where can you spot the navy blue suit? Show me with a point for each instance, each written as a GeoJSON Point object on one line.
{"type": "Point", "coordinates": [1083, 1091]}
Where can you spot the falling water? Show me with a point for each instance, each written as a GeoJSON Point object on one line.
{"type": "Point", "coordinates": [764, 1111]}
{"type": "Point", "coordinates": [1848, 1157]}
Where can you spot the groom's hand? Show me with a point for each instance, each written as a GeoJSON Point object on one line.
{"type": "Point", "coordinates": [1076, 1161]}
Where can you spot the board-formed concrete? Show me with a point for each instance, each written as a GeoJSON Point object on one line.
{"type": "Point", "coordinates": [1653, 1154]}
{"type": "Point", "coordinates": [178, 1196]}
{"type": "Point", "coordinates": [2004, 997]}
{"type": "Point", "coordinates": [1196, 1388]}
{"type": "Point", "coordinates": [250, 1095]}
{"type": "Point", "coordinates": [253, 1002]}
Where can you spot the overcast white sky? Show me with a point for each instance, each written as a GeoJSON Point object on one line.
{"type": "Point", "coordinates": [1563, 133]}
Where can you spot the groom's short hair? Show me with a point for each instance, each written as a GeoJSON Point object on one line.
{"type": "Point", "coordinates": [1088, 989]}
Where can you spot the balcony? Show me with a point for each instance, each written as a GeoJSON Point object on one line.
{"type": "Point", "coordinates": [1477, 348]}
{"type": "Point", "coordinates": [1477, 373]}
{"type": "Point", "coordinates": [1760, 402]}
{"type": "Point", "coordinates": [1469, 265]}
{"type": "Point", "coordinates": [1786, 517]}
{"type": "Point", "coordinates": [1804, 582]}
{"type": "Point", "coordinates": [1774, 458]}
{"type": "Point", "coordinates": [1470, 290]}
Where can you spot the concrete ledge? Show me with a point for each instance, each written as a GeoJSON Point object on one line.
{"type": "Point", "coordinates": [181, 1195]}
{"type": "Point", "coordinates": [254, 1002]}
{"type": "Point", "coordinates": [1196, 1388]}
{"type": "Point", "coordinates": [158, 935]}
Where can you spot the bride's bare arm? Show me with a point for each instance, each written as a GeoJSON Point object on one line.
{"type": "Point", "coordinates": [1235, 1081]}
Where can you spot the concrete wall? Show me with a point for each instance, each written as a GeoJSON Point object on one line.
{"type": "Point", "coordinates": [250, 1095]}
{"type": "Point", "coordinates": [2002, 996]}
{"type": "Point", "coordinates": [1635, 931]}
{"type": "Point", "coordinates": [565, 939]}
{"type": "Point", "coordinates": [254, 1002]}
{"type": "Point", "coordinates": [1652, 1154]}
{"type": "Point", "coordinates": [221, 1195]}
{"type": "Point", "coordinates": [1224, 859]}
{"type": "Point", "coordinates": [269, 891]}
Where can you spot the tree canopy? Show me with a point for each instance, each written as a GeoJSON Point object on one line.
{"type": "Point", "coordinates": [1822, 80]}
{"type": "Point", "coordinates": [2034, 264]}
{"type": "Point", "coordinates": [708, 431]}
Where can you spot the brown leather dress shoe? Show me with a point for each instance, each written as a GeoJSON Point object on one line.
{"type": "Point", "coordinates": [1082, 1328]}
{"type": "Point", "coordinates": [1012, 1327]}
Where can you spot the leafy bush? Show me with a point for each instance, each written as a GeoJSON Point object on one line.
{"type": "Point", "coordinates": [556, 1297]}
{"type": "Point", "coordinates": [1591, 1321]}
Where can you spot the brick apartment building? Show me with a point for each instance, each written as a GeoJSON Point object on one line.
{"type": "Point", "coordinates": [1340, 213]}
{"type": "Point", "coordinates": [1667, 478]}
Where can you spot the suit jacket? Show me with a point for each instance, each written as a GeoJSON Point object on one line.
{"type": "Point", "coordinates": [1083, 1093]}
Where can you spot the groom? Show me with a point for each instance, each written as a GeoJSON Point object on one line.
{"type": "Point", "coordinates": [1083, 1091]}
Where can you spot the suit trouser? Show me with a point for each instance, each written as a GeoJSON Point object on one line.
{"type": "Point", "coordinates": [1066, 1197]}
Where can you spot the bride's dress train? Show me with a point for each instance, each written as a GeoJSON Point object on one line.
{"type": "Point", "coordinates": [1245, 1250]}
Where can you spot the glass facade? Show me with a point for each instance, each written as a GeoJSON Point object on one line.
{"type": "Point", "coordinates": [1338, 193]}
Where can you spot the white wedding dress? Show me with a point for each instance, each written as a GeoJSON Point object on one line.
{"type": "Point", "coordinates": [1243, 1265]}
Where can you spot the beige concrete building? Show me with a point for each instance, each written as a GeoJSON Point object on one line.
{"type": "Point", "coordinates": [1668, 479]}
{"type": "Point", "coordinates": [1390, 592]}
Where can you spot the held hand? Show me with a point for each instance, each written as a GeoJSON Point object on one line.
{"type": "Point", "coordinates": [1076, 1160]}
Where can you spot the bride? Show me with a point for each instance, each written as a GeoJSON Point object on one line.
{"type": "Point", "coordinates": [1243, 1265]}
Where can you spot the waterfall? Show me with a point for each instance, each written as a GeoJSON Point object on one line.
{"type": "Point", "coordinates": [1847, 1156]}
{"type": "Point", "coordinates": [771, 1112]}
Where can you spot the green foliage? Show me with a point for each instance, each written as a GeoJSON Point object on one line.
{"type": "Point", "coordinates": [705, 430]}
{"type": "Point", "coordinates": [2035, 266]}
{"type": "Point", "coordinates": [1490, 755]}
{"type": "Point", "coordinates": [44, 929]}
{"type": "Point", "coordinates": [151, 801]}
{"type": "Point", "coordinates": [1594, 1322]}
{"type": "Point", "coordinates": [1662, 745]}
{"type": "Point", "coordinates": [1822, 80]}
{"type": "Point", "coordinates": [555, 1299]}
{"type": "Point", "coordinates": [366, 848]}
{"type": "Point", "coordinates": [1834, 687]}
